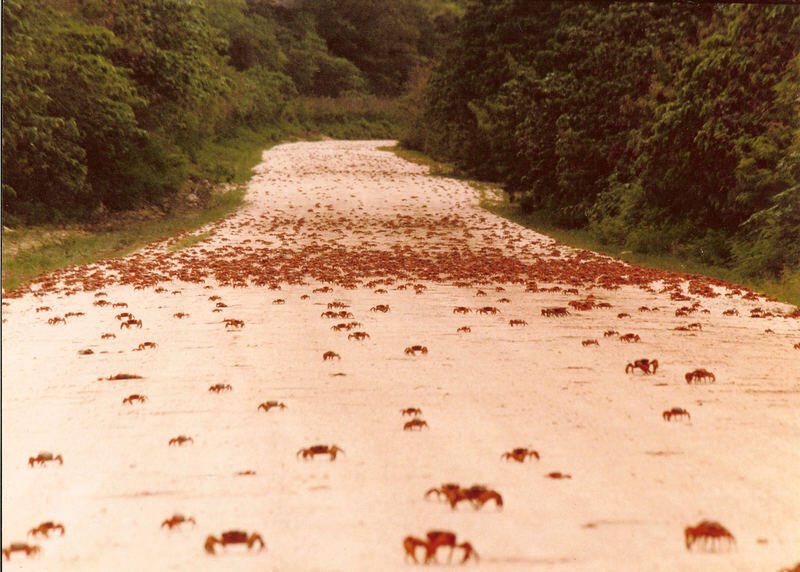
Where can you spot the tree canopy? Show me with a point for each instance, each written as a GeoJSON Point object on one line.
{"type": "Point", "coordinates": [663, 127]}
{"type": "Point", "coordinates": [106, 102]}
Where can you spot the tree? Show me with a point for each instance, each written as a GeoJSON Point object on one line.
{"type": "Point", "coordinates": [713, 151]}
{"type": "Point", "coordinates": [173, 55]}
{"type": "Point", "coordinates": [69, 117]}
{"type": "Point", "coordinates": [382, 39]}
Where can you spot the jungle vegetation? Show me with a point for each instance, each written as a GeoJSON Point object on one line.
{"type": "Point", "coordinates": [112, 104]}
{"type": "Point", "coordinates": [663, 128]}
{"type": "Point", "coordinates": [660, 127]}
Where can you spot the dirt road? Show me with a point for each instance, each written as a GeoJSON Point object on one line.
{"type": "Point", "coordinates": [343, 227]}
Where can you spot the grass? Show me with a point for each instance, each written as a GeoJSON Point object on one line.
{"type": "Point", "coordinates": [494, 200]}
{"type": "Point", "coordinates": [189, 241]}
{"type": "Point", "coordinates": [231, 159]}
{"type": "Point", "coordinates": [787, 290]}
{"type": "Point", "coordinates": [437, 168]}
{"type": "Point", "coordinates": [31, 252]}
{"type": "Point", "coordinates": [345, 117]}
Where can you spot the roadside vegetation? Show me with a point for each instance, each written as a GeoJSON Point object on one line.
{"type": "Point", "coordinates": [660, 130]}
{"type": "Point", "coordinates": [109, 105]}
{"type": "Point", "coordinates": [115, 111]}
{"type": "Point", "coordinates": [667, 130]}
{"type": "Point", "coordinates": [496, 201]}
{"type": "Point", "coordinates": [31, 251]}
{"type": "Point", "coordinates": [785, 288]}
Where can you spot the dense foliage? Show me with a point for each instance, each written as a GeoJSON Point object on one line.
{"type": "Point", "coordinates": [107, 103]}
{"type": "Point", "coordinates": [664, 127]}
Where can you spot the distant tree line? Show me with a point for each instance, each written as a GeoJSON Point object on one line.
{"type": "Point", "coordinates": [666, 127]}
{"type": "Point", "coordinates": [106, 102]}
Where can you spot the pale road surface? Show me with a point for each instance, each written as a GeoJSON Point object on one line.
{"type": "Point", "coordinates": [377, 230]}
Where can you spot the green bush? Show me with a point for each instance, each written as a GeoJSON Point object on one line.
{"type": "Point", "coordinates": [666, 129]}
{"type": "Point", "coordinates": [108, 104]}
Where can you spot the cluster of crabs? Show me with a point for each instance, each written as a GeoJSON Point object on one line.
{"type": "Point", "coordinates": [43, 529]}
{"type": "Point", "coordinates": [416, 422]}
{"type": "Point", "coordinates": [293, 260]}
{"type": "Point", "coordinates": [708, 533]}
